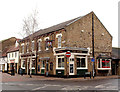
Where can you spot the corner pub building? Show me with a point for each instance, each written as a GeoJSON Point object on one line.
{"type": "Point", "coordinates": [46, 52]}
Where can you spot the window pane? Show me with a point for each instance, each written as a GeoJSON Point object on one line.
{"type": "Point", "coordinates": [59, 41]}
{"type": "Point", "coordinates": [39, 45]}
{"type": "Point", "coordinates": [105, 63]}
{"type": "Point", "coordinates": [33, 63]}
{"type": "Point", "coordinates": [83, 62]}
{"type": "Point", "coordinates": [98, 63]}
{"type": "Point", "coordinates": [38, 68]}
{"type": "Point", "coordinates": [43, 63]}
{"type": "Point", "coordinates": [23, 64]}
{"type": "Point", "coordinates": [62, 62]}
{"type": "Point", "coordinates": [78, 62]}
{"type": "Point", "coordinates": [59, 62]}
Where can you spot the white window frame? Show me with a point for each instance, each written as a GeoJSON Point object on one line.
{"type": "Point", "coordinates": [22, 47]}
{"type": "Point", "coordinates": [39, 45]}
{"type": "Point", "coordinates": [86, 63]}
{"type": "Point", "coordinates": [22, 64]}
{"type": "Point", "coordinates": [42, 64]}
{"type": "Point", "coordinates": [46, 48]}
{"type": "Point", "coordinates": [33, 46]}
{"type": "Point", "coordinates": [57, 63]}
{"type": "Point", "coordinates": [59, 36]}
{"type": "Point", "coordinates": [101, 65]}
{"type": "Point", "coordinates": [27, 47]}
{"type": "Point", "coordinates": [32, 64]}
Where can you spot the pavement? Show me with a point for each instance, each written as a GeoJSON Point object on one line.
{"type": "Point", "coordinates": [7, 77]}
{"type": "Point", "coordinates": [37, 83]}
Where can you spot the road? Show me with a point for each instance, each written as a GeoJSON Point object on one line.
{"type": "Point", "coordinates": [62, 84]}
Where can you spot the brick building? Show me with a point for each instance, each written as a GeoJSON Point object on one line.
{"type": "Point", "coordinates": [13, 57]}
{"type": "Point", "coordinates": [46, 52]}
{"type": "Point", "coordinates": [4, 47]}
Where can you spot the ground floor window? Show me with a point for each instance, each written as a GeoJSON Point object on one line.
{"type": "Point", "coordinates": [43, 64]}
{"type": "Point", "coordinates": [38, 68]}
{"type": "Point", "coordinates": [33, 63]}
{"type": "Point", "coordinates": [60, 62]}
{"type": "Point", "coordinates": [23, 64]}
{"type": "Point", "coordinates": [104, 63]}
{"type": "Point", "coordinates": [81, 62]}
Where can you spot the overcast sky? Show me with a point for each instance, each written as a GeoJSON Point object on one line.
{"type": "Point", "coordinates": [51, 12]}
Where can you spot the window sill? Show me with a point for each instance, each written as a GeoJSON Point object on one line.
{"type": "Point", "coordinates": [42, 68]}
{"type": "Point", "coordinates": [23, 67]}
{"type": "Point", "coordinates": [103, 68]}
{"type": "Point", "coordinates": [60, 68]}
{"type": "Point", "coordinates": [82, 68]}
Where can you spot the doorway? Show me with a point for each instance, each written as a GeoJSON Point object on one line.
{"type": "Point", "coordinates": [71, 66]}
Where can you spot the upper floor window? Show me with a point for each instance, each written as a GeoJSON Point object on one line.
{"type": "Point", "coordinates": [32, 46]}
{"type": "Point", "coordinates": [59, 41]}
{"type": "Point", "coordinates": [12, 54]}
{"type": "Point", "coordinates": [22, 48]}
{"type": "Point", "coordinates": [46, 40]}
{"type": "Point", "coordinates": [9, 55]}
{"type": "Point", "coordinates": [59, 36]}
{"type": "Point", "coordinates": [39, 45]}
{"type": "Point", "coordinates": [27, 47]}
{"type": "Point", "coordinates": [15, 54]}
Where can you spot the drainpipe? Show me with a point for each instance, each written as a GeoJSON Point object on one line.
{"type": "Point", "coordinates": [93, 40]}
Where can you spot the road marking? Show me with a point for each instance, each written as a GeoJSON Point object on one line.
{"type": "Point", "coordinates": [39, 88]}
{"type": "Point", "coordinates": [99, 86]}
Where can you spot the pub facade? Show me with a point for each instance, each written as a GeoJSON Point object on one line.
{"type": "Point", "coordinates": [44, 52]}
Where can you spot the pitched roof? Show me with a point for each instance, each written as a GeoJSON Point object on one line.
{"type": "Point", "coordinates": [115, 53]}
{"type": "Point", "coordinates": [13, 48]}
{"type": "Point", "coordinates": [53, 28]}
{"type": "Point", "coordinates": [4, 53]}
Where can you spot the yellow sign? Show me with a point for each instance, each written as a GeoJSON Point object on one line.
{"type": "Point", "coordinates": [67, 62]}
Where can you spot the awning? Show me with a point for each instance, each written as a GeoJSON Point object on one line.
{"type": "Point", "coordinates": [103, 56]}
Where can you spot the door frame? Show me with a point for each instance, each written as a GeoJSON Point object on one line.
{"type": "Point", "coordinates": [71, 61]}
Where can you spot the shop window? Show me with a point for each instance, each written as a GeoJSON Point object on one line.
{"type": "Point", "coordinates": [60, 62]}
{"type": "Point", "coordinates": [23, 64]}
{"type": "Point", "coordinates": [33, 63]}
{"type": "Point", "coordinates": [51, 66]}
{"type": "Point", "coordinates": [81, 63]}
{"type": "Point", "coordinates": [43, 64]}
{"type": "Point", "coordinates": [38, 68]}
{"type": "Point", "coordinates": [104, 63]}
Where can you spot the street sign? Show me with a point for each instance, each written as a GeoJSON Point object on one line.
{"type": "Point", "coordinates": [68, 54]}
{"type": "Point", "coordinates": [92, 60]}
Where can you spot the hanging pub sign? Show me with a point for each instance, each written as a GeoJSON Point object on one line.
{"type": "Point", "coordinates": [49, 43]}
